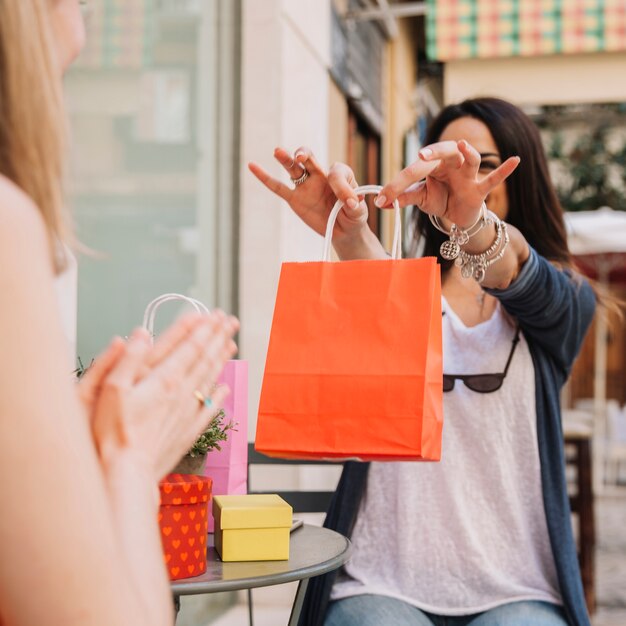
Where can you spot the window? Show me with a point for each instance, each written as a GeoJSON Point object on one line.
{"type": "Point", "coordinates": [153, 178]}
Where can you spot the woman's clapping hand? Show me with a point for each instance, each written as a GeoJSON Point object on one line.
{"type": "Point", "coordinates": [142, 397]}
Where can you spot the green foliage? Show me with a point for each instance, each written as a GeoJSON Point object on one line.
{"type": "Point", "coordinates": [586, 145]}
{"type": "Point", "coordinates": [210, 439]}
{"type": "Point", "coordinates": [590, 180]}
{"type": "Point", "coordinates": [81, 370]}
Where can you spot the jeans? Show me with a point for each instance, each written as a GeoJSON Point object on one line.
{"type": "Point", "coordinates": [372, 610]}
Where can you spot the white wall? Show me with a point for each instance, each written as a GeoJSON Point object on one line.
{"type": "Point", "coordinates": [561, 79]}
{"type": "Point", "coordinates": [286, 53]}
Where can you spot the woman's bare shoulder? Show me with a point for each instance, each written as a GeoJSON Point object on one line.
{"type": "Point", "coordinates": [11, 193]}
{"type": "Point", "coordinates": [21, 221]}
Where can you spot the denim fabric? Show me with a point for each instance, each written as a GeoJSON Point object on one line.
{"type": "Point", "coordinates": [371, 610]}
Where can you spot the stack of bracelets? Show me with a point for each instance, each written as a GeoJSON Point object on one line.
{"type": "Point", "coordinates": [473, 265]}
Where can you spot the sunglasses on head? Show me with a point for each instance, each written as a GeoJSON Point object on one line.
{"type": "Point", "coordinates": [482, 383]}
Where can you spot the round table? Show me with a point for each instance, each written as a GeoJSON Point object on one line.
{"type": "Point", "coordinates": [313, 551]}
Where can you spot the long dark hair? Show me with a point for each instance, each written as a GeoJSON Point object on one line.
{"type": "Point", "coordinates": [533, 204]}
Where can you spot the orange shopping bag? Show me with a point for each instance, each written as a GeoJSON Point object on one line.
{"type": "Point", "coordinates": [354, 363]}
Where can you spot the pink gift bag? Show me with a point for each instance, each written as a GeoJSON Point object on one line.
{"type": "Point", "coordinates": [228, 467]}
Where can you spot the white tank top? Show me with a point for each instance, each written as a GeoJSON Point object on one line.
{"type": "Point", "coordinates": [469, 533]}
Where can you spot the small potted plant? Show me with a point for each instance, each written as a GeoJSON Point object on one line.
{"type": "Point", "coordinates": [217, 431]}
{"type": "Point", "coordinates": [185, 497]}
{"type": "Point", "coordinates": [81, 370]}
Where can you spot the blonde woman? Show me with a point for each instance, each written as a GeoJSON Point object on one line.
{"type": "Point", "coordinates": [79, 542]}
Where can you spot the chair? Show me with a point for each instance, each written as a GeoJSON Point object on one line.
{"type": "Point", "coordinates": [616, 442]}
{"type": "Point", "coordinates": [300, 501]}
{"type": "Point", "coordinates": [578, 457]}
{"type": "Point", "coordinates": [585, 404]}
{"type": "Point", "coordinates": [609, 446]}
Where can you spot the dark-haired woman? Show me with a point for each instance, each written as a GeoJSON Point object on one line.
{"type": "Point", "coordinates": [484, 536]}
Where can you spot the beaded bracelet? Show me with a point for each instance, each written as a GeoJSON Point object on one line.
{"type": "Point", "coordinates": [458, 237]}
{"type": "Point", "coordinates": [476, 265]}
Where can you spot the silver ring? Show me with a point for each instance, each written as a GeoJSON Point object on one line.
{"type": "Point", "coordinates": [299, 181]}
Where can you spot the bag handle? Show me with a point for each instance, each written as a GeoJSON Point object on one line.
{"type": "Point", "coordinates": [150, 312]}
{"type": "Point", "coordinates": [396, 249]}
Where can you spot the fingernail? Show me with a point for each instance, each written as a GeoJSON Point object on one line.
{"type": "Point", "coordinates": [426, 153]}
{"type": "Point", "coordinates": [380, 202]}
{"type": "Point", "coordinates": [352, 203]}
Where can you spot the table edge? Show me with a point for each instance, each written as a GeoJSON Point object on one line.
{"type": "Point", "coordinates": [194, 588]}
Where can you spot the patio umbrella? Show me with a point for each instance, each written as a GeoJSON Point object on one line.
{"type": "Point", "coordinates": [597, 239]}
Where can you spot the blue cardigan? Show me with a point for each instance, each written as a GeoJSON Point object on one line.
{"type": "Point", "coordinates": [554, 310]}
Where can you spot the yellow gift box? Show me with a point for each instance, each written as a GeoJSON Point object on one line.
{"type": "Point", "coordinates": [253, 527]}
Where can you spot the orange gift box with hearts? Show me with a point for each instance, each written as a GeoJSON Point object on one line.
{"type": "Point", "coordinates": [184, 524]}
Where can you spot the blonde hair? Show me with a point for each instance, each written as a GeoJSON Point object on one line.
{"type": "Point", "coordinates": [32, 115]}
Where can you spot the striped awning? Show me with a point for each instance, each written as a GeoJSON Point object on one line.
{"type": "Point", "coordinates": [465, 29]}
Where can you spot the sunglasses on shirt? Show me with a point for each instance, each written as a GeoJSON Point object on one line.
{"type": "Point", "coordinates": [482, 383]}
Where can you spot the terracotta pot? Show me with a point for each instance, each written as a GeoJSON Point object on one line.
{"type": "Point", "coordinates": [191, 465]}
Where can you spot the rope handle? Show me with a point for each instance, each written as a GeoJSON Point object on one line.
{"type": "Point", "coordinates": [150, 312]}
{"type": "Point", "coordinates": [396, 249]}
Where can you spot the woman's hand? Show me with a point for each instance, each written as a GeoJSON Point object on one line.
{"type": "Point", "coordinates": [147, 403]}
{"type": "Point", "coordinates": [452, 188]}
{"type": "Point", "coordinates": [90, 383]}
{"type": "Point", "coordinates": [454, 191]}
{"type": "Point", "coordinates": [314, 199]}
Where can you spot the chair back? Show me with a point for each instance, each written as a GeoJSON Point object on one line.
{"type": "Point", "coordinates": [301, 501]}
